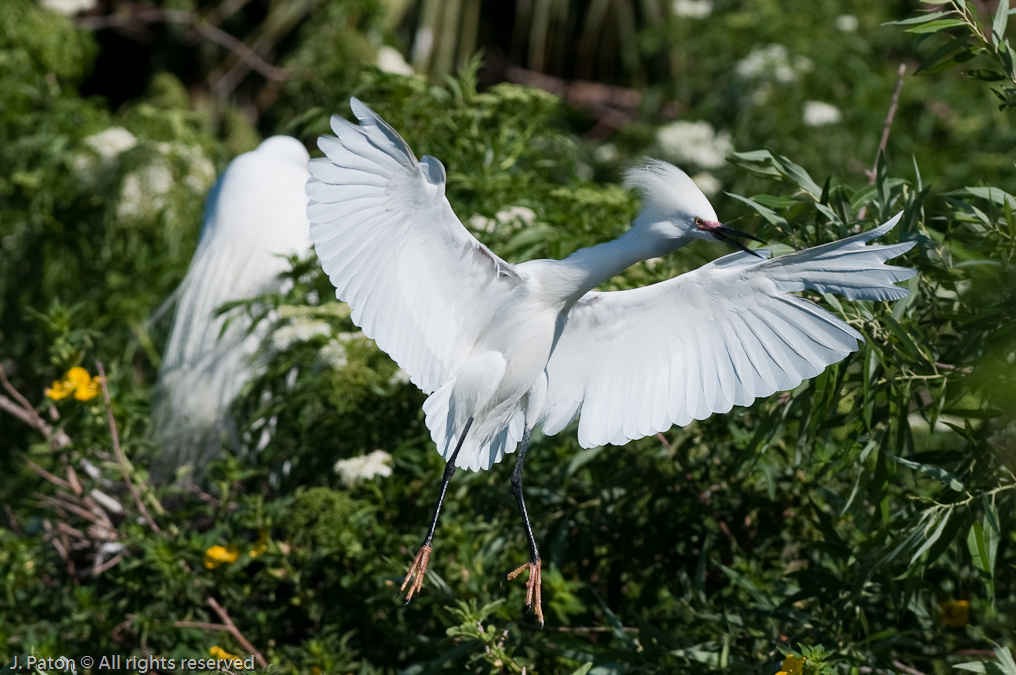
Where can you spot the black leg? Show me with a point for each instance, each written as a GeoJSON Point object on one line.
{"type": "Point", "coordinates": [535, 582]}
{"type": "Point", "coordinates": [419, 566]}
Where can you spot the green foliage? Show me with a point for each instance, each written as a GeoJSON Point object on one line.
{"type": "Point", "coordinates": [863, 519]}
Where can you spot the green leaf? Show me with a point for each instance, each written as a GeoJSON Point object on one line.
{"type": "Point", "coordinates": [942, 519]}
{"type": "Point", "coordinates": [938, 473]}
{"type": "Point", "coordinates": [936, 26]}
{"type": "Point", "coordinates": [994, 195]}
{"type": "Point", "coordinates": [801, 177]}
{"type": "Point", "coordinates": [767, 213]}
{"type": "Point", "coordinates": [583, 669]}
{"type": "Point", "coordinates": [985, 75]}
{"type": "Point", "coordinates": [923, 18]}
{"type": "Point", "coordinates": [998, 25]}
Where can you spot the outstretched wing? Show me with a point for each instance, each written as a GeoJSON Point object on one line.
{"type": "Point", "coordinates": [419, 284]}
{"type": "Point", "coordinates": [636, 362]}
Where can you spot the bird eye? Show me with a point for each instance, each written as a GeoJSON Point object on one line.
{"type": "Point", "coordinates": [698, 222]}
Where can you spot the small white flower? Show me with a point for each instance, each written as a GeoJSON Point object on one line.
{"type": "Point", "coordinates": [692, 9]}
{"type": "Point", "coordinates": [390, 60]}
{"type": "Point", "coordinates": [772, 62]}
{"type": "Point", "coordinates": [400, 377]}
{"type": "Point", "coordinates": [708, 183]}
{"type": "Point", "coordinates": [334, 354]}
{"type": "Point", "coordinates": [513, 215]}
{"type": "Point", "coordinates": [847, 23]}
{"type": "Point", "coordinates": [299, 330]}
{"type": "Point", "coordinates": [606, 153]}
{"type": "Point", "coordinates": [694, 143]}
{"type": "Point", "coordinates": [818, 114]}
{"type": "Point", "coordinates": [144, 191]}
{"type": "Point", "coordinates": [358, 469]}
{"type": "Point", "coordinates": [69, 7]}
{"type": "Point", "coordinates": [111, 142]}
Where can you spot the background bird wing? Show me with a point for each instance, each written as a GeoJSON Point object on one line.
{"type": "Point", "coordinates": [419, 283]}
{"type": "Point", "coordinates": [633, 363]}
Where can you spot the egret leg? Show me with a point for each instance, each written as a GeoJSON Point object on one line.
{"type": "Point", "coordinates": [419, 566]}
{"type": "Point", "coordinates": [534, 598]}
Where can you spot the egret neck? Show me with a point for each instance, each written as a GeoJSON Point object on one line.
{"type": "Point", "coordinates": [587, 268]}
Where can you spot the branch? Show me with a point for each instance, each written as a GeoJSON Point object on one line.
{"type": "Point", "coordinates": [884, 141]}
{"type": "Point", "coordinates": [226, 625]}
{"type": "Point", "coordinates": [24, 411]}
{"type": "Point", "coordinates": [119, 452]}
{"type": "Point", "coordinates": [197, 23]}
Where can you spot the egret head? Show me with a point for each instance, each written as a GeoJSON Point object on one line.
{"type": "Point", "coordinates": [676, 209]}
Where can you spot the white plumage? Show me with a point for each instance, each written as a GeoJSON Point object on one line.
{"type": "Point", "coordinates": [254, 217]}
{"type": "Point", "coordinates": [513, 345]}
{"type": "Point", "coordinates": [502, 347]}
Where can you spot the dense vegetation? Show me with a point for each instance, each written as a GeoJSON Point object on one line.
{"type": "Point", "coordinates": [864, 521]}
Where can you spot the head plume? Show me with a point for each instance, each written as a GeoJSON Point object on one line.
{"type": "Point", "coordinates": [668, 191]}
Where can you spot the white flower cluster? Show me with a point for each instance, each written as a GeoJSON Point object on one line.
{"type": "Point", "coordinates": [513, 215]}
{"type": "Point", "coordinates": [772, 62]}
{"type": "Point", "coordinates": [144, 190]}
{"type": "Point", "coordinates": [389, 60]}
{"type": "Point", "coordinates": [355, 470]}
{"type": "Point", "coordinates": [819, 114]}
{"type": "Point", "coordinates": [708, 183]}
{"type": "Point", "coordinates": [692, 9]}
{"type": "Point", "coordinates": [300, 329]}
{"type": "Point", "coordinates": [69, 7]}
{"type": "Point", "coordinates": [847, 23]}
{"type": "Point", "coordinates": [696, 143]}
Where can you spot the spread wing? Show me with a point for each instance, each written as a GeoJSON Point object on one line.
{"type": "Point", "coordinates": [419, 283]}
{"type": "Point", "coordinates": [633, 363]}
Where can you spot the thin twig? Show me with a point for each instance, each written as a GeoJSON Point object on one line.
{"type": "Point", "coordinates": [55, 480]}
{"type": "Point", "coordinates": [198, 24]}
{"type": "Point", "coordinates": [226, 625]}
{"type": "Point", "coordinates": [589, 629]}
{"type": "Point", "coordinates": [13, 408]}
{"type": "Point", "coordinates": [108, 565]}
{"type": "Point", "coordinates": [67, 506]}
{"type": "Point", "coordinates": [906, 669]}
{"type": "Point", "coordinates": [24, 411]}
{"type": "Point", "coordinates": [13, 521]}
{"type": "Point", "coordinates": [884, 141]}
{"type": "Point", "coordinates": [119, 453]}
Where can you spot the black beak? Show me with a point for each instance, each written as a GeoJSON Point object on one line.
{"type": "Point", "coordinates": [724, 233]}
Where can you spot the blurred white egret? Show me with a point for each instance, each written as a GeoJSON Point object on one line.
{"type": "Point", "coordinates": [255, 215]}
{"type": "Point", "coordinates": [502, 347]}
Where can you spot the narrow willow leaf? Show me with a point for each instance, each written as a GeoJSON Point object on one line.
{"type": "Point", "coordinates": [923, 18]}
{"type": "Point", "coordinates": [943, 519]}
{"type": "Point", "coordinates": [801, 177]}
{"type": "Point", "coordinates": [767, 213]}
{"type": "Point", "coordinates": [936, 26]}
{"type": "Point", "coordinates": [998, 25]}
{"type": "Point", "coordinates": [938, 473]}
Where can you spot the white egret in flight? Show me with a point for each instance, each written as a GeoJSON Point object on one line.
{"type": "Point", "coordinates": [500, 348]}
{"type": "Point", "coordinates": [255, 215]}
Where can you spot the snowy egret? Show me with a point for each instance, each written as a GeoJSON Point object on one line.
{"type": "Point", "coordinates": [255, 215]}
{"type": "Point", "coordinates": [501, 347]}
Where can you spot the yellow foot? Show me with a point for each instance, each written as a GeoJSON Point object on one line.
{"type": "Point", "coordinates": [534, 597]}
{"type": "Point", "coordinates": [419, 568]}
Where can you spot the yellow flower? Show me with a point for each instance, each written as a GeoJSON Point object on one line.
{"type": "Point", "coordinates": [217, 555]}
{"type": "Point", "coordinates": [792, 665]}
{"type": "Point", "coordinates": [955, 613]}
{"type": "Point", "coordinates": [75, 381]}
{"type": "Point", "coordinates": [260, 544]}
{"type": "Point", "coordinates": [220, 653]}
